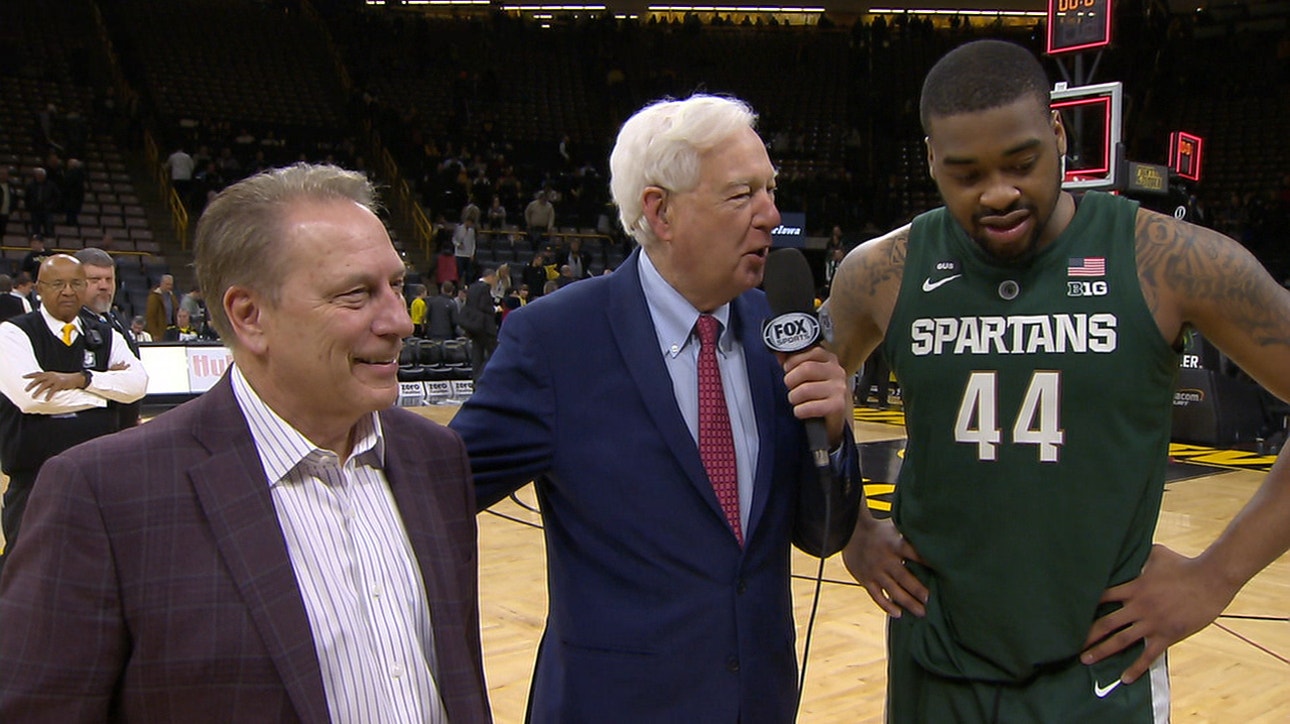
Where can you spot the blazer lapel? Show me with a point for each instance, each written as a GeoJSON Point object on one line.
{"type": "Point", "coordinates": [234, 495]}
{"type": "Point", "coordinates": [629, 314]}
{"type": "Point", "coordinates": [414, 482]}
{"type": "Point", "coordinates": [762, 386]}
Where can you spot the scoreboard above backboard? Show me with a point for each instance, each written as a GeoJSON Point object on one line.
{"type": "Point", "coordinates": [1075, 25]}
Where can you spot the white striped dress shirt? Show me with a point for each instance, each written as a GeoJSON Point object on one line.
{"type": "Point", "coordinates": [362, 590]}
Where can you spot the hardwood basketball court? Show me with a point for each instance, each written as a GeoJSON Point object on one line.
{"type": "Point", "coordinates": [1237, 670]}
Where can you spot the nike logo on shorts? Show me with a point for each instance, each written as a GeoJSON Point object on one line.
{"type": "Point", "coordinates": [1101, 691]}
{"type": "Point", "coordinates": [931, 286]}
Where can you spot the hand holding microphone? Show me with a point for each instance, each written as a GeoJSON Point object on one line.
{"type": "Point", "coordinates": [817, 384]}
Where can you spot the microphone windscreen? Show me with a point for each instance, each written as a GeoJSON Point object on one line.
{"type": "Point", "coordinates": [788, 282]}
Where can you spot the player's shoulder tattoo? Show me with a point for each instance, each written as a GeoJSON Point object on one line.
{"type": "Point", "coordinates": [1184, 261]}
{"type": "Point", "coordinates": [874, 264]}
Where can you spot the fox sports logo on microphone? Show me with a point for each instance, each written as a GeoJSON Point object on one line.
{"type": "Point", "coordinates": [792, 332]}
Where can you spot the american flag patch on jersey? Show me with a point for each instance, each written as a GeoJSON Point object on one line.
{"type": "Point", "coordinates": [1088, 266]}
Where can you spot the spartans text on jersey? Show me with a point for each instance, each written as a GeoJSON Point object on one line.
{"type": "Point", "coordinates": [1014, 334]}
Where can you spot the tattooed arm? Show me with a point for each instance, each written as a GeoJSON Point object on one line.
{"type": "Point", "coordinates": [860, 304]}
{"type": "Point", "coordinates": [863, 294]}
{"type": "Point", "coordinates": [1195, 276]}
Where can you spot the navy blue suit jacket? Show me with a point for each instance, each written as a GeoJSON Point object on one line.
{"type": "Point", "coordinates": [656, 613]}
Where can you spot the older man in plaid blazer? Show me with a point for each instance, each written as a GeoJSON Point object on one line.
{"type": "Point", "coordinates": [285, 548]}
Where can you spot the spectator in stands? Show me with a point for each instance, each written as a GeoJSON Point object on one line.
{"type": "Point", "coordinates": [670, 597]}
{"type": "Point", "coordinates": [539, 219]}
{"type": "Point", "coordinates": [182, 330]}
{"type": "Point", "coordinates": [201, 566]}
{"type": "Point", "coordinates": [138, 331]}
{"type": "Point", "coordinates": [58, 372]}
{"type": "Point", "coordinates": [566, 277]}
{"type": "Point", "coordinates": [834, 242]}
{"type": "Point", "coordinates": [181, 168]}
{"type": "Point", "coordinates": [195, 305]}
{"type": "Point", "coordinates": [230, 169]}
{"type": "Point", "coordinates": [464, 244]}
{"type": "Point", "coordinates": [502, 287]}
{"type": "Point", "coordinates": [417, 309]}
{"type": "Point", "coordinates": [25, 286]}
{"type": "Point", "coordinates": [73, 191]}
{"type": "Point", "coordinates": [8, 199]}
{"type": "Point", "coordinates": [470, 212]}
{"type": "Point", "coordinates": [576, 258]}
{"type": "Point", "coordinates": [496, 214]}
{"type": "Point", "coordinates": [565, 150]}
{"type": "Point", "coordinates": [832, 263]}
{"type": "Point", "coordinates": [162, 304]}
{"type": "Point", "coordinates": [35, 257]}
{"type": "Point", "coordinates": [207, 182]}
{"type": "Point", "coordinates": [11, 304]}
{"type": "Point", "coordinates": [534, 275]}
{"type": "Point", "coordinates": [41, 199]}
{"type": "Point", "coordinates": [442, 311]}
{"type": "Point", "coordinates": [478, 319]}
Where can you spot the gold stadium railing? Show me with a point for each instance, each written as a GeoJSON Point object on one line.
{"type": "Point", "coordinates": [178, 211]}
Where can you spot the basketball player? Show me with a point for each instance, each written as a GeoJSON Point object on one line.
{"type": "Point", "coordinates": [1035, 335]}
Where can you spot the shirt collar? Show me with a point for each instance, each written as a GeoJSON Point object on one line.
{"type": "Point", "coordinates": [282, 447]}
{"type": "Point", "coordinates": [673, 315]}
{"type": "Point", "coordinates": [56, 325]}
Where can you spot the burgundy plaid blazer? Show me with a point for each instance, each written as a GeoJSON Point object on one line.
{"type": "Point", "coordinates": [152, 581]}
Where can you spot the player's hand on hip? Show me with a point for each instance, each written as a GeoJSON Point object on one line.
{"type": "Point", "coordinates": [1172, 599]}
{"type": "Point", "coordinates": [876, 558]}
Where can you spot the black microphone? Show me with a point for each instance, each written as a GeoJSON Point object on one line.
{"type": "Point", "coordinates": [790, 289]}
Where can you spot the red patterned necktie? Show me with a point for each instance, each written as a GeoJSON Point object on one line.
{"type": "Point", "coordinates": [716, 443]}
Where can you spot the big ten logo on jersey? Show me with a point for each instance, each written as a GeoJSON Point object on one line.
{"type": "Point", "coordinates": [1097, 288]}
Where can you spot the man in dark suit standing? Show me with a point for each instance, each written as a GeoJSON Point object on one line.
{"type": "Point", "coordinates": [669, 458]}
{"type": "Point", "coordinates": [264, 552]}
{"type": "Point", "coordinates": [479, 320]}
{"type": "Point", "coordinates": [11, 304]}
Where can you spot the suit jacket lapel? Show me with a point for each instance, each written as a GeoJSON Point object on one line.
{"type": "Point", "coordinates": [629, 314]}
{"type": "Point", "coordinates": [761, 383]}
{"type": "Point", "coordinates": [234, 495]}
{"type": "Point", "coordinates": [413, 482]}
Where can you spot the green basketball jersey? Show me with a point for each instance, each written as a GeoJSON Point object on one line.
{"type": "Point", "coordinates": [1037, 402]}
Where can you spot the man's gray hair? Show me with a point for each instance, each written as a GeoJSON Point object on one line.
{"type": "Point", "coordinates": [660, 146]}
{"type": "Point", "coordinates": [94, 256]}
{"type": "Point", "coordinates": [239, 237]}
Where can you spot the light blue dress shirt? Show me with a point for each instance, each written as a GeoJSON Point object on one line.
{"type": "Point", "coordinates": [674, 320]}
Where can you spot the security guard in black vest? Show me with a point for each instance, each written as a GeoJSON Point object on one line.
{"type": "Point", "coordinates": [58, 371]}
{"type": "Point", "coordinates": [100, 278]}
